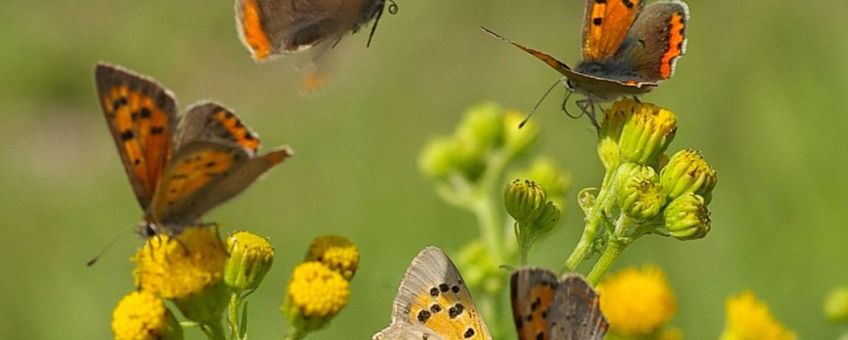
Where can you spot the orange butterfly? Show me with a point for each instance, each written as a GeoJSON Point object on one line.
{"type": "Point", "coordinates": [177, 174]}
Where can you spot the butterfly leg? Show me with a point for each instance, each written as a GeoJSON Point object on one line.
{"type": "Point", "coordinates": [587, 108]}
{"type": "Point", "coordinates": [568, 94]}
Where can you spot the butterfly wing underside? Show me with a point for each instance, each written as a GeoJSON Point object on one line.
{"type": "Point", "coordinates": [576, 312]}
{"type": "Point", "coordinates": [605, 26]}
{"type": "Point", "coordinates": [656, 41]}
{"type": "Point", "coordinates": [532, 292]}
{"type": "Point", "coordinates": [141, 115]}
{"type": "Point", "coordinates": [433, 302]}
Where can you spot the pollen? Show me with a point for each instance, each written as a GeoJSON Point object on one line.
{"type": "Point", "coordinates": [139, 316]}
{"type": "Point", "coordinates": [175, 267]}
{"type": "Point", "coordinates": [748, 319]}
{"type": "Point", "coordinates": [337, 253]}
{"type": "Point", "coordinates": [637, 302]}
{"type": "Point", "coordinates": [317, 291]}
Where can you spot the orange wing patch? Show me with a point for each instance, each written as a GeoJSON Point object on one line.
{"type": "Point", "coordinates": [447, 309]}
{"type": "Point", "coordinates": [531, 319]}
{"type": "Point", "coordinates": [194, 172]}
{"type": "Point", "coordinates": [143, 133]}
{"type": "Point", "coordinates": [237, 130]}
{"type": "Point", "coordinates": [253, 31]}
{"type": "Point", "coordinates": [606, 25]}
{"type": "Point", "coordinates": [676, 45]}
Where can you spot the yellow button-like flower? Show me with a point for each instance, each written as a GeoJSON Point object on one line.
{"type": "Point", "coordinates": [176, 267]}
{"type": "Point", "coordinates": [337, 253]}
{"type": "Point", "coordinates": [637, 302]}
{"type": "Point", "coordinates": [250, 259]}
{"type": "Point", "coordinates": [143, 316]}
{"type": "Point", "coordinates": [316, 291]}
{"type": "Point", "coordinates": [750, 319]}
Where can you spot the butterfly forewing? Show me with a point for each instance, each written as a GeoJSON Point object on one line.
{"type": "Point", "coordinates": [532, 292]}
{"type": "Point", "coordinates": [434, 300]}
{"type": "Point", "coordinates": [605, 25]}
{"type": "Point", "coordinates": [141, 116]}
{"type": "Point", "coordinates": [576, 312]}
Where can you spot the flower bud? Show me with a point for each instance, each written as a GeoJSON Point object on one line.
{"type": "Point", "coordinates": [337, 253]}
{"type": "Point", "coordinates": [524, 200]}
{"type": "Point", "coordinates": [440, 157]}
{"type": "Point", "coordinates": [482, 128]}
{"type": "Point", "coordinates": [646, 133]}
{"type": "Point", "coordinates": [315, 295]}
{"type": "Point", "coordinates": [519, 140]}
{"type": "Point", "coordinates": [143, 315]}
{"type": "Point", "coordinates": [640, 195]}
{"type": "Point", "coordinates": [687, 217]}
{"type": "Point", "coordinates": [687, 171]}
{"type": "Point", "coordinates": [549, 175]}
{"type": "Point", "coordinates": [836, 305]}
{"type": "Point", "coordinates": [250, 259]}
{"type": "Point", "coordinates": [610, 133]}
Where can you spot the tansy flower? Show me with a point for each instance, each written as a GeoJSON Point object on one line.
{"type": "Point", "coordinates": [637, 302]}
{"type": "Point", "coordinates": [335, 252]}
{"type": "Point", "coordinates": [750, 319]}
{"type": "Point", "coordinates": [143, 316]}
{"type": "Point", "coordinates": [250, 259]}
{"type": "Point", "coordinates": [315, 295]}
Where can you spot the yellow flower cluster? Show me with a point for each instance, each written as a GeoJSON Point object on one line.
{"type": "Point", "coordinates": [750, 319]}
{"type": "Point", "coordinates": [637, 302]}
{"type": "Point", "coordinates": [318, 291]}
{"type": "Point", "coordinates": [179, 266]}
{"type": "Point", "coordinates": [140, 316]}
{"type": "Point", "coordinates": [337, 253]}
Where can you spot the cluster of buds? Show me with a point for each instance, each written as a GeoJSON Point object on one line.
{"type": "Point", "coordinates": [535, 216]}
{"type": "Point", "coordinates": [654, 191]}
{"type": "Point", "coordinates": [320, 285]}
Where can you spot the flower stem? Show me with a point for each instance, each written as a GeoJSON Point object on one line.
{"type": "Point", "coordinates": [593, 223]}
{"type": "Point", "coordinates": [233, 317]}
{"type": "Point", "coordinates": [611, 253]}
{"type": "Point", "coordinates": [294, 334]}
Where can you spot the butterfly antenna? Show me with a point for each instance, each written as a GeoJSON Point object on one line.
{"type": "Point", "coordinates": [536, 107]}
{"type": "Point", "coordinates": [393, 9]}
{"type": "Point", "coordinates": [103, 251]}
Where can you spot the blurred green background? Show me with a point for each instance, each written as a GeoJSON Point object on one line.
{"type": "Point", "coordinates": [762, 92]}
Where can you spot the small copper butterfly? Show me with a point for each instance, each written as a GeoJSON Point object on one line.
{"type": "Point", "coordinates": [434, 303]}
{"type": "Point", "coordinates": [178, 174]}
{"type": "Point", "coordinates": [544, 308]}
{"type": "Point", "coordinates": [627, 50]}
{"type": "Point", "coordinates": [272, 27]}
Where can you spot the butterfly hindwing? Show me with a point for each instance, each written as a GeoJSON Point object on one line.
{"type": "Point", "coordinates": [656, 41]}
{"type": "Point", "coordinates": [532, 292]}
{"type": "Point", "coordinates": [576, 312]}
{"type": "Point", "coordinates": [605, 26]}
{"type": "Point", "coordinates": [141, 116]}
{"type": "Point", "coordinates": [210, 121]}
{"type": "Point", "coordinates": [434, 300]}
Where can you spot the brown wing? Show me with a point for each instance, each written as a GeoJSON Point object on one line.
{"type": "Point", "coordinates": [141, 115]}
{"type": "Point", "coordinates": [605, 25]}
{"type": "Point", "coordinates": [209, 121]}
{"type": "Point", "coordinates": [576, 314]}
{"type": "Point", "coordinates": [532, 293]}
{"type": "Point", "coordinates": [656, 41]}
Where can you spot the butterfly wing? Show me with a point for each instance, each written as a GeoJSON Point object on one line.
{"type": "Point", "coordinates": [210, 122]}
{"type": "Point", "coordinates": [656, 41]}
{"type": "Point", "coordinates": [576, 314]}
{"type": "Point", "coordinates": [605, 25]}
{"type": "Point", "coordinates": [271, 27]}
{"type": "Point", "coordinates": [434, 300]}
{"type": "Point", "coordinates": [561, 67]}
{"type": "Point", "coordinates": [532, 293]}
{"type": "Point", "coordinates": [141, 115]}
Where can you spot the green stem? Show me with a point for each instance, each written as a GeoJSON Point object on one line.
{"type": "Point", "coordinates": [611, 253]}
{"type": "Point", "coordinates": [593, 223]}
{"type": "Point", "coordinates": [295, 333]}
{"type": "Point", "coordinates": [233, 317]}
{"type": "Point", "coordinates": [214, 331]}
{"type": "Point", "coordinates": [486, 213]}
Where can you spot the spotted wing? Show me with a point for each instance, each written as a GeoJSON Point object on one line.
{"type": "Point", "coordinates": [605, 25]}
{"type": "Point", "coordinates": [272, 27]}
{"type": "Point", "coordinates": [202, 175]}
{"type": "Point", "coordinates": [434, 300]}
{"type": "Point", "coordinates": [576, 312]}
{"type": "Point", "coordinates": [532, 292]}
{"type": "Point", "coordinates": [656, 41]}
{"type": "Point", "coordinates": [141, 115]}
{"type": "Point", "coordinates": [209, 121]}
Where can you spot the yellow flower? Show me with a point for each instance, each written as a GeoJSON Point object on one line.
{"type": "Point", "coordinates": [143, 316]}
{"type": "Point", "coordinates": [250, 259]}
{"type": "Point", "coordinates": [637, 302]}
{"type": "Point", "coordinates": [176, 267]}
{"type": "Point", "coordinates": [316, 291]}
{"type": "Point", "coordinates": [335, 252]}
{"type": "Point", "coordinates": [750, 319]}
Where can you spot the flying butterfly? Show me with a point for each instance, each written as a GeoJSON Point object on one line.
{"type": "Point", "coordinates": [628, 48]}
{"type": "Point", "coordinates": [545, 308]}
{"type": "Point", "coordinates": [433, 303]}
{"type": "Point", "coordinates": [178, 174]}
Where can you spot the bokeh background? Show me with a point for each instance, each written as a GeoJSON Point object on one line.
{"type": "Point", "coordinates": [762, 92]}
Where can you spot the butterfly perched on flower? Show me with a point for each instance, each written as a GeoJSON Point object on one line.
{"type": "Point", "coordinates": [628, 48]}
{"type": "Point", "coordinates": [178, 174]}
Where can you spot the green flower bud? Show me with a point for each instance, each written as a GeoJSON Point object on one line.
{"type": "Point", "coordinates": [687, 171]}
{"type": "Point", "coordinates": [836, 305]}
{"type": "Point", "coordinates": [687, 217]}
{"type": "Point", "coordinates": [614, 119]}
{"type": "Point", "coordinates": [640, 194]}
{"type": "Point", "coordinates": [519, 140]}
{"type": "Point", "coordinates": [547, 219]}
{"type": "Point", "coordinates": [646, 134]}
{"type": "Point", "coordinates": [440, 157]}
{"type": "Point", "coordinates": [548, 174]}
{"type": "Point", "coordinates": [525, 200]}
{"type": "Point", "coordinates": [250, 259]}
{"type": "Point", "coordinates": [482, 128]}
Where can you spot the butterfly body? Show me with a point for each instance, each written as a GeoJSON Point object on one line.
{"type": "Point", "coordinates": [177, 174]}
{"type": "Point", "coordinates": [628, 48]}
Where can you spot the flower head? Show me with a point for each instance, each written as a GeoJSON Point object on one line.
{"type": "Point", "coordinates": [637, 302]}
{"type": "Point", "coordinates": [640, 195]}
{"type": "Point", "coordinates": [687, 217]}
{"type": "Point", "coordinates": [315, 295]}
{"type": "Point", "coordinates": [686, 172]}
{"type": "Point", "coordinates": [337, 253]}
{"type": "Point", "coordinates": [524, 200]}
{"type": "Point", "coordinates": [750, 319]}
{"type": "Point", "coordinates": [250, 259]}
{"type": "Point", "coordinates": [142, 316]}
{"type": "Point", "coordinates": [519, 139]}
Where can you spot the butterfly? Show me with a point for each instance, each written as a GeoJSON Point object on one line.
{"type": "Point", "coordinates": [272, 27]}
{"type": "Point", "coordinates": [433, 303]}
{"type": "Point", "coordinates": [628, 48]}
{"type": "Point", "coordinates": [177, 174]}
{"type": "Point", "coordinates": [544, 308]}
